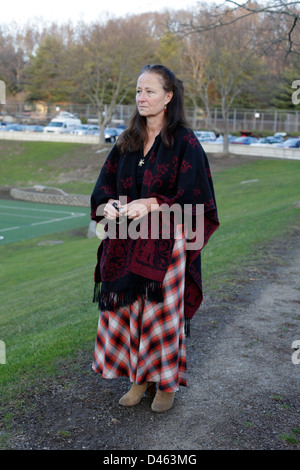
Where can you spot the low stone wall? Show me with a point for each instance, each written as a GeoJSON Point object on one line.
{"type": "Point", "coordinates": [49, 137]}
{"type": "Point", "coordinates": [255, 150]}
{"type": "Point", "coordinates": [46, 197]}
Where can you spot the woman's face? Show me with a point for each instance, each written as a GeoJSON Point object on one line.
{"type": "Point", "coordinates": [151, 98]}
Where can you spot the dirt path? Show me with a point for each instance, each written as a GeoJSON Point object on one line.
{"type": "Point", "coordinates": [243, 388]}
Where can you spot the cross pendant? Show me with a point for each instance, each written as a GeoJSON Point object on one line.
{"type": "Point", "coordinates": [141, 162]}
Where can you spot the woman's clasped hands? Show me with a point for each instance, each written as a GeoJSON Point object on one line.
{"type": "Point", "coordinates": [133, 210]}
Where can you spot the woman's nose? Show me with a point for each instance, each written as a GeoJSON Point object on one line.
{"type": "Point", "coordinates": [141, 96]}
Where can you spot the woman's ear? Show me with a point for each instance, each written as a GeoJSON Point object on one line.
{"type": "Point", "coordinates": [169, 97]}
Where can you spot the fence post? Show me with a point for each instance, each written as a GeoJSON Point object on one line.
{"type": "Point", "coordinates": [234, 120]}
{"type": "Point", "coordinates": [275, 121]}
{"type": "Point", "coordinates": [254, 120]}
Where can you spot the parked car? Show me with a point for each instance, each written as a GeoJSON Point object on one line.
{"type": "Point", "coordinates": [34, 128]}
{"type": "Point", "coordinates": [266, 141]}
{"type": "Point", "coordinates": [245, 140]}
{"type": "Point", "coordinates": [220, 139]}
{"type": "Point", "coordinates": [63, 123]}
{"type": "Point", "coordinates": [13, 127]}
{"type": "Point", "coordinates": [280, 134]}
{"type": "Point", "coordinates": [292, 142]}
{"type": "Point", "coordinates": [120, 129]}
{"type": "Point", "coordinates": [205, 136]}
{"type": "Point", "coordinates": [111, 134]}
{"type": "Point", "coordinates": [80, 130]}
{"type": "Point", "coordinates": [93, 129]}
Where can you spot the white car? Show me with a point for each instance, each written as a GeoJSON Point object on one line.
{"type": "Point", "coordinates": [80, 130]}
{"type": "Point", "coordinates": [63, 123]}
{"type": "Point", "coordinates": [205, 136]}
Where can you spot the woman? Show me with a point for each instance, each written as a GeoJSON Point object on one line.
{"type": "Point", "coordinates": [149, 287]}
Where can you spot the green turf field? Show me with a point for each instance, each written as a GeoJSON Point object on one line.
{"type": "Point", "coordinates": [23, 220]}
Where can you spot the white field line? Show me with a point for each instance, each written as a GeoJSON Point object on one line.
{"type": "Point", "coordinates": [70, 215]}
{"type": "Point", "coordinates": [39, 210]}
{"type": "Point", "coordinates": [26, 216]}
{"type": "Point", "coordinates": [10, 228]}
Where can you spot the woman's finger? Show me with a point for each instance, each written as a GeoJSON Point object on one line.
{"type": "Point", "coordinates": [110, 212]}
{"type": "Point", "coordinates": [136, 212]}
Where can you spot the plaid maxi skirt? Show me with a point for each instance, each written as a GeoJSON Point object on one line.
{"type": "Point", "coordinates": [145, 341]}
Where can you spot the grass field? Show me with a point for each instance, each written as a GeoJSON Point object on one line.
{"type": "Point", "coordinates": [46, 313]}
{"type": "Point", "coordinates": [71, 167]}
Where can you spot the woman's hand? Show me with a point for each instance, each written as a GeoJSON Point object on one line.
{"type": "Point", "coordinates": [110, 212]}
{"type": "Point", "coordinates": [139, 208]}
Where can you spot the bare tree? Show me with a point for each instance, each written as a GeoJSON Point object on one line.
{"type": "Point", "coordinates": [279, 21]}
{"type": "Point", "coordinates": [17, 43]}
{"type": "Point", "coordinates": [288, 13]}
{"type": "Point", "coordinates": [105, 62]}
{"type": "Point", "coordinates": [220, 64]}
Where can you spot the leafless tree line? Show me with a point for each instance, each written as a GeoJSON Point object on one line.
{"type": "Point", "coordinates": [241, 54]}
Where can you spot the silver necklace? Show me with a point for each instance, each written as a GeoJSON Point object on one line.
{"type": "Point", "coordinates": [142, 160]}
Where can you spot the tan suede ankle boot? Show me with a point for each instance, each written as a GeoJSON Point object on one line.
{"type": "Point", "coordinates": [163, 401]}
{"type": "Point", "coordinates": [134, 395]}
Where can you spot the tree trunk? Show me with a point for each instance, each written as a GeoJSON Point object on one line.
{"type": "Point", "coordinates": [101, 127]}
{"type": "Point", "coordinates": [225, 143]}
{"type": "Point", "coordinates": [226, 129]}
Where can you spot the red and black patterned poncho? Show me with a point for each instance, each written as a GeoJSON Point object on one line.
{"type": "Point", "coordinates": [178, 175]}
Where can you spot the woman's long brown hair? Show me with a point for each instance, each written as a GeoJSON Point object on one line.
{"type": "Point", "coordinates": [135, 135]}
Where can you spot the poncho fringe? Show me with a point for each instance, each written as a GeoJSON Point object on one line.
{"type": "Point", "coordinates": [139, 287]}
{"type": "Point", "coordinates": [149, 290]}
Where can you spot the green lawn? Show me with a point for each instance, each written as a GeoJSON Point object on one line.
{"type": "Point", "coordinates": [46, 312]}
{"type": "Point", "coordinates": [30, 163]}
{"type": "Point", "coordinates": [252, 212]}
{"type": "Point", "coordinates": [46, 305]}
{"type": "Point", "coordinates": [27, 162]}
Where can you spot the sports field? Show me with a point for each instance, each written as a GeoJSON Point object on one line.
{"type": "Point", "coordinates": [23, 220]}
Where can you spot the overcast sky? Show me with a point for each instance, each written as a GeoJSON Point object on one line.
{"type": "Point", "coordinates": [62, 11]}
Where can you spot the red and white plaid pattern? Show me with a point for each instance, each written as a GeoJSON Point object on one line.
{"type": "Point", "coordinates": [145, 341]}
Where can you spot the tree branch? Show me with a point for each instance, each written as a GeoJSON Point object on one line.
{"type": "Point", "coordinates": [279, 7]}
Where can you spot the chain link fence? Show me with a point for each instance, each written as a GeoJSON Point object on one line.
{"type": "Point", "coordinates": [251, 120]}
